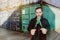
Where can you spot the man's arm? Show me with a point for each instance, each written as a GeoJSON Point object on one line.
{"type": "Point", "coordinates": [46, 28]}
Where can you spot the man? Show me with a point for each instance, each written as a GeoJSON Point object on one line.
{"type": "Point", "coordinates": [39, 26]}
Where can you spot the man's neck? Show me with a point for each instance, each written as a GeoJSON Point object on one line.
{"type": "Point", "coordinates": [38, 17]}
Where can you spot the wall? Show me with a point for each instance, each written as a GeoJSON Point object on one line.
{"type": "Point", "coordinates": [57, 18]}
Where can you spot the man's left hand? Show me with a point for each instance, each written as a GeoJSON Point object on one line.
{"type": "Point", "coordinates": [44, 30]}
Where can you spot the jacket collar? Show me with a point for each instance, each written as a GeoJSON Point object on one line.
{"type": "Point", "coordinates": [40, 19]}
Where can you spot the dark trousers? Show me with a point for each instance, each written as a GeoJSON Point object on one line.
{"type": "Point", "coordinates": [39, 36]}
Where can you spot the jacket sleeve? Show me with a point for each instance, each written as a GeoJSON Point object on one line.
{"type": "Point", "coordinates": [47, 25]}
{"type": "Point", "coordinates": [30, 26]}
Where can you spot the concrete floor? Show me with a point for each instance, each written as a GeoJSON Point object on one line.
{"type": "Point", "coordinates": [13, 35]}
{"type": "Point", "coordinates": [53, 36]}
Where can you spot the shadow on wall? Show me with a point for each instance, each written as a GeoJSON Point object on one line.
{"type": "Point", "coordinates": [49, 14]}
{"type": "Point", "coordinates": [13, 21]}
{"type": "Point", "coordinates": [4, 25]}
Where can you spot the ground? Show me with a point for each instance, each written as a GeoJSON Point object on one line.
{"type": "Point", "coordinates": [13, 35]}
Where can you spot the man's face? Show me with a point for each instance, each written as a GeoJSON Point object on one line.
{"type": "Point", "coordinates": [38, 12]}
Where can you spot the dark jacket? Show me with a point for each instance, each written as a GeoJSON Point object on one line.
{"type": "Point", "coordinates": [38, 32]}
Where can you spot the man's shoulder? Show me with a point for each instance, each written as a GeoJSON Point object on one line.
{"type": "Point", "coordinates": [33, 19]}
{"type": "Point", "coordinates": [44, 19]}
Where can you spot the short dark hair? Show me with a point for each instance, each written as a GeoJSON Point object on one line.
{"type": "Point", "coordinates": [39, 8]}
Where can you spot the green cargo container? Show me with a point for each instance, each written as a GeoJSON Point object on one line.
{"type": "Point", "coordinates": [25, 18]}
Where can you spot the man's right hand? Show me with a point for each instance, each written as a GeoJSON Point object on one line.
{"type": "Point", "coordinates": [33, 31]}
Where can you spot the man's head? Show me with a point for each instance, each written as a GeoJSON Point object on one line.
{"type": "Point", "coordinates": [39, 11]}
